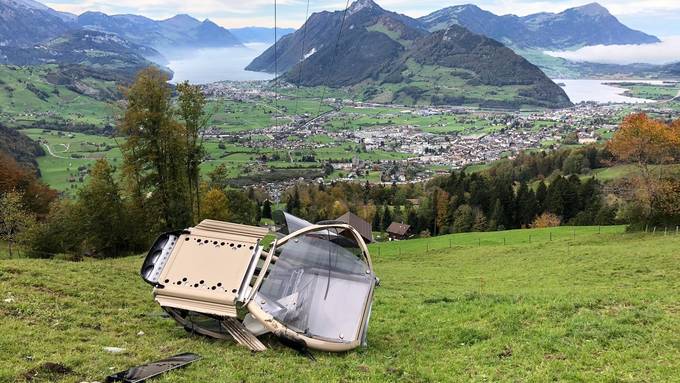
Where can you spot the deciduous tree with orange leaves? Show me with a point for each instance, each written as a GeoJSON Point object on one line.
{"type": "Point", "coordinates": [644, 141]}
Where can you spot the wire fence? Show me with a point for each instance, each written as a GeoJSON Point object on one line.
{"type": "Point", "coordinates": [568, 236]}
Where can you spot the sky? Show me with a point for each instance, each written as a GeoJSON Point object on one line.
{"type": "Point", "coordinates": [658, 17]}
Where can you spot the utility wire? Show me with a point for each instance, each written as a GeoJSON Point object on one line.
{"type": "Point", "coordinates": [302, 59]}
{"type": "Point", "coordinates": [335, 51]}
{"type": "Point", "coordinates": [276, 61]}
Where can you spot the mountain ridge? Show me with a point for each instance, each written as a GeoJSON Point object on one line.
{"type": "Point", "coordinates": [178, 32]}
{"type": "Point", "coordinates": [590, 24]}
{"type": "Point", "coordinates": [401, 61]}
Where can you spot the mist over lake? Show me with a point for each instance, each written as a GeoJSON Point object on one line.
{"type": "Point", "coordinates": [204, 66]}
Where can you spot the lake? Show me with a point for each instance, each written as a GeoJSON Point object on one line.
{"type": "Point", "coordinates": [205, 66]}
{"type": "Point", "coordinates": [598, 91]}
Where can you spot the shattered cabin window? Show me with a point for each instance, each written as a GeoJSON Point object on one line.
{"type": "Point", "coordinates": [319, 286]}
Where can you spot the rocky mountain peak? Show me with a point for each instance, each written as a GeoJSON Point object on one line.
{"type": "Point", "coordinates": [360, 5]}
{"type": "Point", "coordinates": [592, 9]}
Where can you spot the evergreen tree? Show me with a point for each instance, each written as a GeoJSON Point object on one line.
{"type": "Point", "coordinates": [495, 223]}
{"type": "Point", "coordinates": [387, 217]}
{"type": "Point", "coordinates": [525, 205]}
{"type": "Point", "coordinates": [267, 209]}
{"type": "Point", "coordinates": [377, 219]}
{"type": "Point", "coordinates": [554, 201]}
{"type": "Point", "coordinates": [412, 220]}
{"type": "Point", "coordinates": [570, 196]}
{"type": "Point", "coordinates": [541, 197]}
{"type": "Point", "coordinates": [293, 204]}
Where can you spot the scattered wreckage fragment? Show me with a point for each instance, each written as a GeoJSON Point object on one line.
{"type": "Point", "coordinates": [151, 370]}
{"type": "Point", "coordinates": [313, 287]}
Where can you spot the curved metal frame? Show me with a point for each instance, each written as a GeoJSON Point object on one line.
{"type": "Point", "coordinates": [278, 328]}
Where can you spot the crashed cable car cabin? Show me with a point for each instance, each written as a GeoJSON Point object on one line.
{"type": "Point", "coordinates": [314, 286]}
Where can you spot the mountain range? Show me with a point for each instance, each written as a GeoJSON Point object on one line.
{"type": "Point", "coordinates": [178, 32]}
{"type": "Point", "coordinates": [591, 24]}
{"type": "Point", "coordinates": [394, 58]}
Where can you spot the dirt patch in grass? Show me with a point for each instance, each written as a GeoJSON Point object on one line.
{"type": "Point", "coordinates": [46, 372]}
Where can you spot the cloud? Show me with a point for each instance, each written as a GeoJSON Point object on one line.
{"type": "Point", "coordinates": [665, 52]}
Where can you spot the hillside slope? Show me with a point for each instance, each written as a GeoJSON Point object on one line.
{"type": "Point", "coordinates": [20, 147]}
{"type": "Point", "coordinates": [65, 97]}
{"type": "Point", "coordinates": [97, 51]}
{"type": "Point", "coordinates": [25, 23]}
{"type": "Point", "coordinates": [602, 307]}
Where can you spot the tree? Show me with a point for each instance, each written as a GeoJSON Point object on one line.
{"type": "Point", "coordinates": [441, 209]}
{"type": "Point", "coordinates": [14, 218]}
{"type": "Point", "coordinates": [525, 205]}
{"type": "Point", "coordinates": [464, 219]}
{"type": "Point", "coordinates": [576, 163]}
{"type": "Point", "coordinates": [155, 151]}
{"type": "Point", "coordinates": [387, 217]}
{"type": "Point", "coordinates": [59, 233]}
{"type": "Point", "coordinates": [480, 224]}
{"type": "Point", "coordinates": [541, 196]}
{"type": "Point", "coordinates": [377, 219]}
{"type": "Point", "coordinates": [101, 213]}
{"type": "Point", "coordinates": [219, 177]}
{"type": "Point", "coordinates": [241, 209]}
{"type": "Point", "coordinates": [554, 201]}
{"type": "Point", "coordinates": [215, 205]}
{"type": "Point", "coordinates": [191, 110]}
{"type": "Point", "coordinates": [36, 196]}
{"type": "Point", "coordinates": [645, 141]}
{"type": "Point", "coordinates": [495, 223]}
{"type": "Point", "coordinates": [293, 203]}
{"type": "Point", "coordinates": [267, 209]}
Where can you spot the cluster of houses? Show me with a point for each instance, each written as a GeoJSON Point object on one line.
{"type": "Point", "coordinates": [396, 231]}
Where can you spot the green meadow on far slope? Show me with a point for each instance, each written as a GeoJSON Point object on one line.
{"type": "Point", "coordinates": [594, 307]}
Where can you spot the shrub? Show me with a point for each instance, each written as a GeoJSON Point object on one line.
{"type": "Point", "coordinates": [546, 220]}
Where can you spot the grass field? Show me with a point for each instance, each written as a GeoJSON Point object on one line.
{"type": "Point", "coordinates": [68, 152]}
{"type": "Point", "coordinates": [622, 171]}
{"type": "Point", "coordinates": [601, 307]}
{"type": "Point", "coordinates": [27, 97]}
{"type": "Point", "coordinates": [650, 91]}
